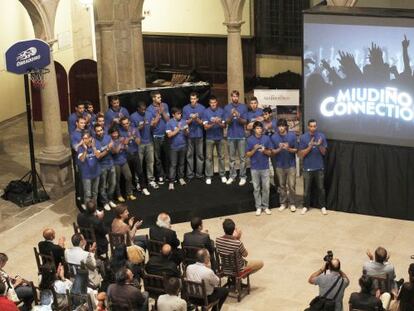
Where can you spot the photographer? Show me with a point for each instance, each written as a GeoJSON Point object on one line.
{"type": "Point", "coordinates": [327, 276]}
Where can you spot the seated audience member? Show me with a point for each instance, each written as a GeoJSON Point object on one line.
{"type": "Point", "coordinates": [406, 296]}
{"type": "Point", "coordinates": [119, 225]}
{"type": "Point", "coordinates": [80, 287]}
{"type": "Point", "coordinates": [199, 237]}
{"type": "Point", "coordinates": [47, 246]}
{"type": "Point", "coordinates": [124, 294]}
{"type": "Point", "coordinates": [46, 301]}
{"type": "Point", "coordinates": [230, 243]}
{"type": "Point", "coordinates": [201, 271]}
{"type": "Point", "coordinates": [101, 304]}
{"type": "Point", "coordinates": [160, 265]}
{"type": "Point", "coordinates": [326, 277]}
{"type": "Point", "coordinates": [170, 301]}
{"type": "Point", "coordinates": [51, 278]}
{"type": "Point", "coordinates": [16, 288]}
{"type": "Point", "coordinates": [162, 232]}
{"type": "Point", "coordinates": [119, 259]}
{"type": "Point", "coordinates": [92, 218]}
{"type": "Point", "coordinates": [364, 300]}
{"type": "Point", "coordinates": [7, 305]}
{"type": "Point", "coordinates": [77, 254]}
{"type": "Point", "coordinates": [379, 266]}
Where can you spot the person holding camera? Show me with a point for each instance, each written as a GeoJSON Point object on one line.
{"type": "Point", "coordinates": [331, 280]}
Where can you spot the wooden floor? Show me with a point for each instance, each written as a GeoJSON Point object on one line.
{"type": "Point", "coordinates": [291, 245]}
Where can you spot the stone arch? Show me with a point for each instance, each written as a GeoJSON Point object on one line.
{"type": "Point", "coordinates": [42, 14]}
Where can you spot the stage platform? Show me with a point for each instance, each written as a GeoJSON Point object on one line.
{"type": "Point", "coordinates": [196, 198]}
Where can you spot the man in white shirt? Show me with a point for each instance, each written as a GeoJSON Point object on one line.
{"type": "Point", "coordinates": [201, 271]}
{"type": "Point", "coordinates": [77, 254]}
{"type": "Point", "coordinates": [170, 301]}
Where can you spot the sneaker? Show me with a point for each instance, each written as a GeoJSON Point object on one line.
{"type": "Point", "coordinates": [223, 179]}
{"type": "Point", "coordinates": [208, 181]}
{"type": "Point", "coordinates": [242, 181]}
{"type": "Point", "coordinates": [161, 180]}
{"type": "Point", "coordinates": [182, 182]}
{"type": "Point", "coordinates": [258, 212]}
{"type": "Point", "coordinates": [131, 197]}
{"type": "Point", "coordinates": [145, 191]}
{"type": "Point", "coordinates": [229, 181]}
{"type": "Point", "coordinates": [304, 210]}
{"type": "Point", "coordinates": [83, 207]}
{"type": "Point", "coordinates": [154, 185]}
{"type": "Point", "coordinates": [138, 187]}
{"type": "Point", "coordinates": [282, 207]}
{"type": "Point", "coordinates": [292, 208]}
{"type": "Point", "coordinates": [171, 186]}
{"type": "Point", "coordinates": [267, 211]}
{"type": "Point", "coordinates": [107, 207]}
{"type": "Point", "coordinates": [112, 204]}
{"type": "Point", "coordinates": [324, 211]}
{"type": "Point", "coordinates": [121, 199]}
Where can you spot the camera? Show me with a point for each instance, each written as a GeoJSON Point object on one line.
{"type": "Point", "coordinates": [328, 257]}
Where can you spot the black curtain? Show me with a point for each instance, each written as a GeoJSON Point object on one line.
{"type": "Point", "coordinates": [370, 179]}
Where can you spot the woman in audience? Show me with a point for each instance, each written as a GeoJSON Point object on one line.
{"type": "Point", "coordinates": [405, 299]}
{"type": "Point", "coordinates": [364, 300]}
{"type": "Point", "coordinates": [56, 280]}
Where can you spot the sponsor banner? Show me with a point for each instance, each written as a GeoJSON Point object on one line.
{"type": "Point", "coordinates": [274, 98]}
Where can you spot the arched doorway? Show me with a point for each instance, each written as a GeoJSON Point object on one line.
{"type": "Point", "coordinates": [83, 83]}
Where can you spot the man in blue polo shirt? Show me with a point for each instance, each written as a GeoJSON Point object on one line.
{"type": "Point", "coordinates": [192, 114]}
{"type": "Point", "coordinates": [120, 158]}
{"type": "Point", "coordinates": [283, 154]}
{"type": "Point", "coordinates": [259, 149]}
{"type": "Point", "coordinates": [89, 168]}
{"type": "Point", "coordinates": [79, 112]}
{"type": "Point", "coordinates": [269, 123]}
{"type": "Point", "coordinates": [132, 139]}
{"type": "Point", "coordinates": [107, 180]}
{"type": "Point", "coordinates": [159, 117]}
{"type": "Point", "coordinates": [177, 131]}
{"type": "Point", "coordinates": [214, 123]}
{"type": "Point", "coordinates": [141, 119]}
{"type": "Point", "coordinates": [235, 113]}
{"type": "Point", "coordinates": [253, 114]}
{"type": "Point", "coordinates": [312, 149]}
{"type": "Point", "coordinates": [115, 113]}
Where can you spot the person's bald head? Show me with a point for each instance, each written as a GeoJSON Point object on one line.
{"type": "Point", "coordinates": [335, 265]}
{"type": "Point", "coordinates": [166, 250]}
{"type": "Point", "coordinates": [49, 234]}
{"type": "Point", "coordinates": [203, 256]}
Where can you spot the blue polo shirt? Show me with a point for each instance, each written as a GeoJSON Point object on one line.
{"type": "Point", "coordinates": [119, 158]}
{"type": "Point", "coordinates": [72, 122]}
{"type": "Point", "coordinates": [133, 133]}
{"type": "Point", "coordinates": [215, 132]}
{"type": "Point", "coordinates": [314, 159]}
{"type": "Point", "coordinates": [101, 144]}
{"type": "Point", "coordinates": [196, 130]}
{"type": "Point", "coordinates": [270, 127]}
{"type": "Point", "coordinates": [235, 130]}
{"type": "Point", "coordinates": [89, 168]}
{"type": "Point", "coordinates": [251, 115]}
{"type": "Point", "coordinates": [284, 159]}
{"type": "Point", "coordinates": [178, 141]}
{"type": "Point", "coordinates": [137, 119]}
{"type": "Point", "coordinates": [159, 129]}
{"type": "Point", "coordinates": [259, 161]}
{"type": "Point", "coordinates": [75, 138]}
{"type": "Point", "coordinates": [111, 114]}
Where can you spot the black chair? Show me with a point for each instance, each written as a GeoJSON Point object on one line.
{"type": "Point", "coordinates": [43, 260]}
{"type": "Point", "coordinates": [231, 269]}
{"type": "Point", "coordinates": [189, 255]}
{"type": "Point", "coordinates": [87, 232]}
{"type": "Point", "coordinates": [196, 294]}
{"type": "Point", "coordinates": [125, 306]}
{"type": "Point", "coordinates": [154, 246]}
{"type": "Point", "coordinates": [118, 239]}
{"type": "Point", "coordinates": [154, 285]}
{"type": "Point", "coordinates": [73, 269]}
{"type": "Point", "coordinates": [76, 300]}
{"type": "Point", "coordinates": [354, 309]}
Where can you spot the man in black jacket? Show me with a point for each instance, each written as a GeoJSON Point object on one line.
{"type": "Point", "coordinates": [94, 219]}
{"type": "Point", "coordinates": [47, 246]}
{"type": "Point", "coordinates": [164, 264]}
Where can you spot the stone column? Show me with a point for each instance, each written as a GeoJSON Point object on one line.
{"type": "Point", "coordinates": [54, 158]}
{"type": "Point", "coordinates": [348, 3]}
{"type": "Point", "coordinates": [119, 46]}
{"type": "Point", "coordinates": [233, 10]}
